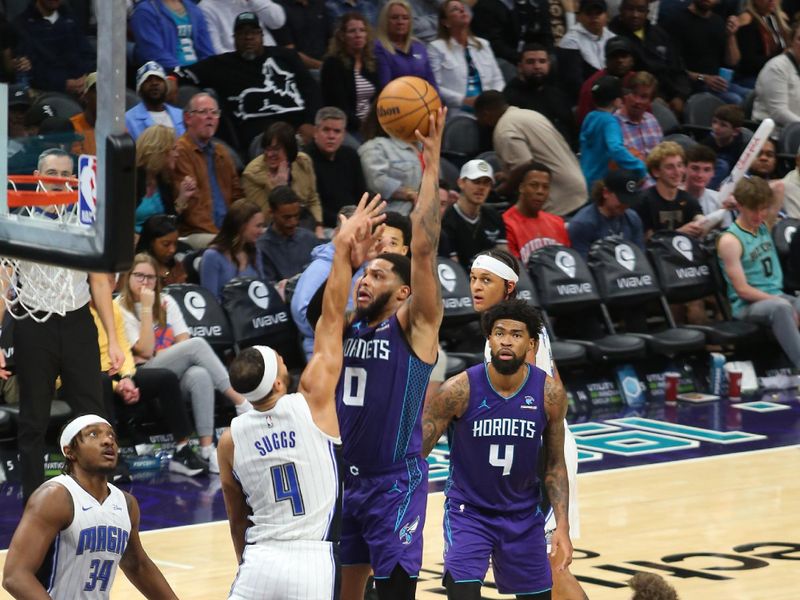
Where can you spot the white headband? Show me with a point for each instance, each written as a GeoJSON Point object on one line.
{"type": "Point", "coordinates": [497, 267]}
{"type": "Point", "coordinates": [74, 427]}
{"type": "Point", "coordinates": [270, 374]}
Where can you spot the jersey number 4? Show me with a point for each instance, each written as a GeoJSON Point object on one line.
{"type": "Point", "coordinates": [505, 461]}
{"type": "Point", "coordinates": [287, 487]}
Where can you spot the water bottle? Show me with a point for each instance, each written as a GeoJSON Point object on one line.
{"type": "Point", "coordinates": [163, 456]}
{"type": "Point", "coordinates": [716, 373]}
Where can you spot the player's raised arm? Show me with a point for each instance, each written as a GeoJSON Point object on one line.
{"type": "Point", "coordinates": [447, 404]}
{"type": "Point", "coordinates": [555, 476]}
{"type": "Point", "coordinates": [425, 308]}
{"type": "Point", "coordinates": [319, 379]}
{"type": "Point", "coordinates": [140, 570]}
{"type": "Point", "coordinates": [48, 511]}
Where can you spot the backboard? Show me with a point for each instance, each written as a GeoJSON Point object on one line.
{"type": "Point", "coordinates": [101, 238]}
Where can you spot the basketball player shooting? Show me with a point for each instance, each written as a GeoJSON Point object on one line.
{"type": "Point", "coordinates": [77, 527]}
{"type": "Point", "coordinates": [504, 411]}
{"type": "Point", "coordinates": [277, 465]}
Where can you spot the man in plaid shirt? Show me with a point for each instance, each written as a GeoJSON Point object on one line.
{"type": "Point", "coordinates": [640, 129]}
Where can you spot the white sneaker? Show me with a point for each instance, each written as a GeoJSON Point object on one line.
{"type": "Point", "coordinates": [243, 407]}
{"type": "Point", "coordinates": [213, 463]}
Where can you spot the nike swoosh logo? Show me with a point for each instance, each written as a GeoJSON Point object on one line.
{"type": "Point", "coordinates": [85, 508]}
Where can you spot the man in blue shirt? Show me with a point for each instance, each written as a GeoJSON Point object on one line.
{"type": "Point", "coordinates": [609, 213]}
{"type": "Point", "coordinates": [151, 84]}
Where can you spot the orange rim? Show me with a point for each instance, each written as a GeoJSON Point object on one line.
{"type": "Point", "coordinates": [20, 198]}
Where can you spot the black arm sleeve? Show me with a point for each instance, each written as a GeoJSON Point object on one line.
{"type": "Point", "coordinates": [314, 310]}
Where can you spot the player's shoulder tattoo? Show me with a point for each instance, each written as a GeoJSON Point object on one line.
{"type": "Point", "coordinates": [457, 394]}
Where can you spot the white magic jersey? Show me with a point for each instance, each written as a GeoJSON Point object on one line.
{"type": "Point", "coordinates": [544, 360]}
{"type": "Point", "coordinates": [287, 469]}
{"type": "Point", "coordinates": [87, 552]}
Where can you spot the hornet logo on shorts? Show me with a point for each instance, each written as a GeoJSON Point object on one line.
{"type": "Point", "coordinates": [407, 531]}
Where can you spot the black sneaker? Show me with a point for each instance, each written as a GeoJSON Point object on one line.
{"type": "Point", "coordinates": [186, 462]}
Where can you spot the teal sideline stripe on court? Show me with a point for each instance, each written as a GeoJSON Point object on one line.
{"type": "Point", "coordinates": [588, 456]}
{"type": "Point", "coordinates": [634, 443]}
{"type": "Point", "coordinates": [761, 407]}
{"type": "Point", "coordinates": [695, 433]}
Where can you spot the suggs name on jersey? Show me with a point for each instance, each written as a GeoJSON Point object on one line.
{"type": "Point", "coordinates": [275, 441]}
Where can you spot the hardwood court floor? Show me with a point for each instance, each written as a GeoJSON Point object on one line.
{"type": "Point", "coordinates": [716, 506]}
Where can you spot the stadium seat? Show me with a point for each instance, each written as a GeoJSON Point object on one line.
{"type": "Point", "coordinates": [461, 139]}
{"type": "Point", "coordinates": [685, 272]}
{"type": "Point", "coordinates": [783, 236]}
{"type": "Point", "coordinates": [698, 111]}
{"type": "Point", "coordinates": [747, 105]}
{"type": "Point", "coordinates": [459, 333]}
{"type": "Point", "coordinates": [455, 365]}
{"type": "Point", "coordinates": [203, 315]}
{"type": "Point", "coordinates": [508, 69]}
{"type": "Point", "coordinates": [491, 158]}
{"type": "Point", "coordinates": [626, 281]}
{"type": "Point", "coordinates": [683, 140]}
{"type": "Point", "coordinates": [237, 160]}
{"type": "Point", "coordinates": [789, 144]}
{"type": "Point", "coordinates": [255, 148]}
{"type": "Point", "coordinates": [131, 98]}
{"type": "Point", "coordinates": [566, 290]}
{"type": "Point", "coordinates": [448, 173]}
{"type": "Point", "coordinates": [185, 93]}
{"type": "Point", "coordinates": [191, 264]}
{"type": "Point", "coordinates": [666, 118]}
{"type": "Point", "coordinates": [258, 315]}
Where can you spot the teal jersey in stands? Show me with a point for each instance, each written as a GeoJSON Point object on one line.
{"type": "Point", "coordinates": [762, 270]}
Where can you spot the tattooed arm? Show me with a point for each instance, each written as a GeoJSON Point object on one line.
{"type": "Point", "coordinates": [555, 476]}
{"type": "Point", "coordinates": [449, 403]}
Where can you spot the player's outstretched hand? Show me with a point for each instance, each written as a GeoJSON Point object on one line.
{"type": "Point", "coordinates": [432, 143]}
{"type": "Point", "coordinates": [357, 234]}
{"type": "Point", "coordinates": [561, 544]}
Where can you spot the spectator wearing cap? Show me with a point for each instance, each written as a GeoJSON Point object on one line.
{"type": "Point", "coordinates": [619, 62]}
{"type": "Point", "coordinates": [19, 102]}
{"type": "Point", "coordinates": [52, 41]}
{"type": "Point", "coordinates": [257, 85]}
{"type": "Point", "coordinates": [469, 227]}
{"type": "Point", "coordinates": [83, 122]}
{"type": "Point", "coordinates": [640, 129]}
{"type": "Point", "coordinates": [654, 51]}
{"type": "Point", "coordinates": [601, 135]}
{"type": "Point", "coordinates": [534, 88]}
{"type": "Point", "coordinates": [172, 33]}
{"type": "Point", "coordinates": [151, 85]}
{"type": "Point", "coordinates": [337, 167]}
{"type": "Point", "coordinates": [589, 35]}
{"type": "Point", "coordinates": [609, 213]}
{"type": "Point", "coordinates": [221, 14]}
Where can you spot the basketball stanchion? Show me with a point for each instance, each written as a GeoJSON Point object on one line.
{"type": "Point", "coordinates": [33, 289]}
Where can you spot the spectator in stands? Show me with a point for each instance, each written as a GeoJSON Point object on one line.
{"type": "Point", "coordinates": [653, 51]}
{"type": "Point", "coordinates": [285, 248]}
{"type": "Point", "coordinates": [753, 272]}
{"type": "Point", "coordinates": [509, 25]}
{"type": "Point", "coordinates": [151, 85]}
{"type": "Point", "coordinates": [601, 135]}
{"type": "Point", "coordinates": [610, 213]}
{"type": "Point", "coordinates": [463, 64]}
{"type": "Point", "coordinates": [156, 159]}
{"type": "Point", "coordinates": [160, 339]}
{"type": "Point", "coordinates": [54, 46]}
{"type": "Point", "coordinates": [447, 197]}
{"type": "Point", "coordinates": [528, 227]}
{"type": "Point", "coordinates": [159, 239]}
{"type": "Point", "coordinates": [396, 237]}
{"type": "Point", "coordinates": [469, 227]}
{"type": "Point", "coordinates": [619, 63]}
{"type": "Point", "coordinates": [172, 33]}
{"type": "Point", "coordinates": [337, 167]}
{"type": "Point", "coordinates": [426, 18]}
{"type": "Point", "coordinates": [211, 167]}
{"type": "Point", "coordinates": [778, 85]}
{"type": "Point", "coordinates": [306, 30]}
{"type": "Point", "coordinates": [640, 129]}
{"type": "Point", "coordinates": [589, 35]}
{"type": "Point", "coordinates": [791, 185]}
{"type": "Point", "coordinates": [391, 167]}
{"type": "Point", "coordinates": [8, 42]}
{"type": "Point", "coordinates": [765, 166]}
{"type": "Point", "coordinates": [763, 34]}
{"type": "Point", "coordinates": [700, 162]}
{"type": "Point", "coordinates": [221, 14]}
{"type": "Point", "coordinates": [521, 136]}
{"type": "Point", "coordinates": [534, 88]}
{"type": "Point", "coordinates": [127, 391]}
{"type": "Point", "coordinates": [258, 85]}
{"type": "Point", "coordinates": [349, 74]}
{"type": "Point", "coordinates": [397, 52]}
{"type": "Point", "coordinates": [666, 207]}
{"type": "Point", "coordinates": [282, 164]}
{"type": "Point", "coordinates": [725, 139]}
{"type": "Point", "coordinates": [706, 43]}
{"type": "Point", "coordinates": [337, 9]}
{"type": "Point", "coordinates": [232, 253]}
{"type": "Point", "coordinates": [83, 122]}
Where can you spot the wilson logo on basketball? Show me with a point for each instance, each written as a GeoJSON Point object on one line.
{"type": "Point", "coordinates": [388, 112]}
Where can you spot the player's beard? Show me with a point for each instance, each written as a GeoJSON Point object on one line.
{"type": "Point", "coordinates": [507, 367]}
{"type": "Point", "coordinates": [373, 309]}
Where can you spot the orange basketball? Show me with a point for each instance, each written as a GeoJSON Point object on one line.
{"type": "Point", "coordinates": [404, 105]}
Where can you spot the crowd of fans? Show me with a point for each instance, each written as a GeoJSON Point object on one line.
{"type": "Point", "coordinates": [255, 126]}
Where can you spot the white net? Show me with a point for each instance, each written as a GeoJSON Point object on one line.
{"type": "Point", "coordinates": [37, 290]}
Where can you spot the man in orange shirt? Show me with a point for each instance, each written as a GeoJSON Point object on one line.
{"type": "Point", "coordinates": [84, 122]}
{"type": "Point", "coordinates": [528, 227]}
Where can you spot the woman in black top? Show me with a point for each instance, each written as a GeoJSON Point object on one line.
{"type": "Point", "coordinates": [349, 76]}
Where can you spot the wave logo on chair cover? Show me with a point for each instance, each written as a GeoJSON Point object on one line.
{"type": "Point", "coordinates": [566, 262]}
{"type": "Point", "coordinates": [447, 277]}
{"type": "Point", "coordinates": [625, 256]}
{"type": "Point", "coordinates": [195, 304]}
{"type": "Point", "coordinates": [683, 245]}
{"type": "Point", "coordinates": [259, 294]}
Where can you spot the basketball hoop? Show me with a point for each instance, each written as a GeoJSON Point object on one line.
{"type": "Point", "coordinates": [32, 289]}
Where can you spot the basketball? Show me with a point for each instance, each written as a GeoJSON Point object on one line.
{"type": "Point", "coordinates": [404, 105]}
